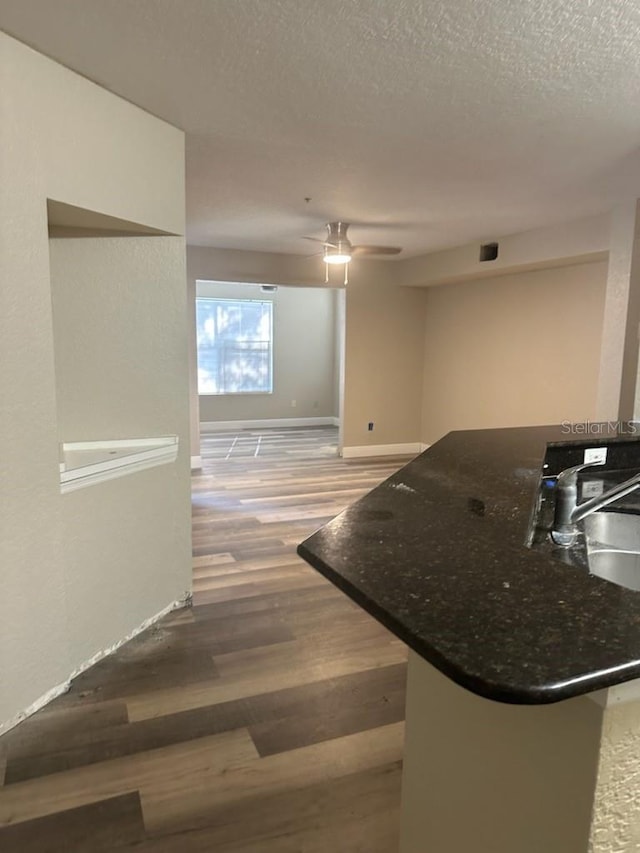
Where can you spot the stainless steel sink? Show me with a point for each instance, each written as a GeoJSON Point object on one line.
{"type": "Point", "coordinates": [613, 547]}
{"type": "Point", "coordinates": [618, 530]}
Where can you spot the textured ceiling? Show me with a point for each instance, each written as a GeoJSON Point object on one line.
{"type": "Point", "coordinates": [426, 124]}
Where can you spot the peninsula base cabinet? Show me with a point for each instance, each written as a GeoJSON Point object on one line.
{"type": "Point", "coordinates": [482, 776]}
{"type": "Point", "coordinates": [525, 735]}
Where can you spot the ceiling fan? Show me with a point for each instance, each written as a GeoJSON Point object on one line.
{"type": "Point", "coordinates": [338, 249]}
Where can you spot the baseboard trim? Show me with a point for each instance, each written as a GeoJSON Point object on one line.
{"type": "Point", "coordinates": [424, 446]}
{"type": "Point", "coordinates": [359, 452]}
{"type": "Point", "coordinates": [266, 423]}
{"type": "Point", "coordinates": [64, 686]}
{"type": "Point", "coordinates": [196, 463]}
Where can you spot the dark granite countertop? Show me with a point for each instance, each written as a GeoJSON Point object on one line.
{"type": "Point", "coordinates": [437, 554]}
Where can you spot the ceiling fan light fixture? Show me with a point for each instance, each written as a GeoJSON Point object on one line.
{"type": "Point", "coordinates": [337, 247]}
{"type": "Point", "coordinates": [336, 257]}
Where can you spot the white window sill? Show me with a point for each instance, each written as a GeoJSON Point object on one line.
{"type": "Point", "coordinates": [235, 393]}
{"type": "Point", "coordinates": [87, 463]}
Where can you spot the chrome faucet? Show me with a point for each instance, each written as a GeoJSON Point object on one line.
{"type": "Point", "coordinates": [567, 510]}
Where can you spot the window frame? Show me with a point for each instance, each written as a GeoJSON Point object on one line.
{"type": "Point", "coordinates": [237, 299]}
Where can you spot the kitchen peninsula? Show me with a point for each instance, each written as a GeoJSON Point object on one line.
{"type": "Point", "coordinates": [523, 713]}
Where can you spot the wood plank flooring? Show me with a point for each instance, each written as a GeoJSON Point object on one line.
{"type": "Point", "coordinates": [267, 718]}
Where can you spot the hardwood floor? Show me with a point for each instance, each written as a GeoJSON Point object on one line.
{"type": "Point", "coordinates": [267, 718]}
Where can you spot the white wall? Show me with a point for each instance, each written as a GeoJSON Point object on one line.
{"type": "Point", "coordinates": [303, 356]}
{"type": "Point", "coordinates": [514, 350]}
{"type": "Point", "coordinates": [67, 139]}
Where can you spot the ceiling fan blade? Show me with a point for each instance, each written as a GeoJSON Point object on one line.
{"type": "Point", "coordinates": [317, 240]}
{"type": "Point", "coordinates": [376, 250]}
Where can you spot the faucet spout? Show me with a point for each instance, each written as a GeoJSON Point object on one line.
{"type": "Point", "coordinates": [593, 505]}
{"type": "Point", "coordinates": [567, 510]}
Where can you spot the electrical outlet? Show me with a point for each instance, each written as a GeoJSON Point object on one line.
{"type": "Point", "coordinates": [592, 489]}
{"type": "Point", "coordinates": [294, 403]}
{"type": "Point", "coordinates": [370, 427]}
{"type": "Point", "coordinates": [595, 455]}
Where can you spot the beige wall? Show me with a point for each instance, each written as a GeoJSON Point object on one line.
{"type": "Point", "coordinates": [192, 346]}
{"type": "Point", "coordinates": [569, 243]}
{"type": "Point", "coordinates": [205, 263]}
{"type": "Point", "coordinates": [303, 356]}
{"type": "Point", "coordinates": [229, 265]}
{"type": "Point", "coordinates": [119, 320]}
{"type": "Point", "coordinates": [618, 378]}
{"type": "Point", "coordinates": [616, 808]}
{"type": "Point", "coordinates": [515, 350]}
{"type": "Point", "coordinates": [338, 361]}
{"type": "Point", "coordinates": [383, 357]}
{"type": "Point", "coordinates": [512, 329]}
{"type": "Point", "coordinates": [383, 338]}
{"type": "Point", "coordinates": [65, 138]}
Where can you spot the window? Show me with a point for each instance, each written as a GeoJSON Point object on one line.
{"type": "Point", "coordinates": [234, 346]}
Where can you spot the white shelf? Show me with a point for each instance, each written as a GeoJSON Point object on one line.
{"type": "Point", "coordinates": [87, 463]}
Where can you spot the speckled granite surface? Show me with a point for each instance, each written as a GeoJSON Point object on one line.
{"type": "Point", "coordinates": [437, 554]}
